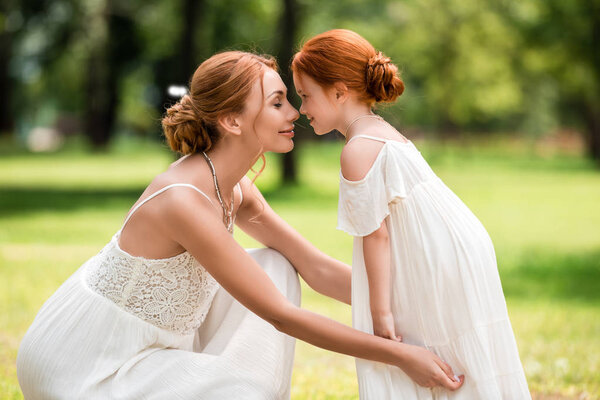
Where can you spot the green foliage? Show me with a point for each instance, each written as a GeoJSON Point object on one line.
{"type": "Point", "coordinates": [477, 65]}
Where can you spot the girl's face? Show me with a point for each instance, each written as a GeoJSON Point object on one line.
{"type": "Point", "coordinates": [318, 104]}
{"type": "Point", "coordinates": [270, 115]}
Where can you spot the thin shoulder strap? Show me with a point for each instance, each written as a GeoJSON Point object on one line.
{"type": "Point", "coordinates": [141, 203]}
{"type": "Point", "coordinates": [367, 137]}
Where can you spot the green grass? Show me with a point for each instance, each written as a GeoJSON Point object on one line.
{"type": "Point", "coordinates": [56, 210]}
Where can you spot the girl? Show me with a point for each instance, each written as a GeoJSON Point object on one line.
{"type": "Point", "coordinates": [424, 268]}
{"type": "Point", "coordinates": [132, 322]}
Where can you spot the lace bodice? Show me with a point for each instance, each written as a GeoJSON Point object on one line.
{"type": "Point", "coordinates": [172, 293]}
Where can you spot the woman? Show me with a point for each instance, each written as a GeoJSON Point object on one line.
{"type": "Point", "coordinates": [131, 322]}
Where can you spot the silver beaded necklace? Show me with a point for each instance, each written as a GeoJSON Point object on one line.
{"type": "Point", "coordinates": [227, 213]}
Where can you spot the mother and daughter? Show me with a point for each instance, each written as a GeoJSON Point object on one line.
{"type": "Point", "coordinates": [173, 308]}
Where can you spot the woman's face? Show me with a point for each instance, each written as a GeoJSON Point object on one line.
{"type": "Point", "coordinates": [317, 104]}
{"type": "Point", "coordinates": [271, 115]}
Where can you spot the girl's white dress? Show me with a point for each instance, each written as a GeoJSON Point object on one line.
{"type": "Point", "coordinates": [125, 327]}
{"type": "Point", "coordinates": [445, 289]}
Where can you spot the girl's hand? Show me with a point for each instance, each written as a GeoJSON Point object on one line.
{"type": "Point", "coordinates": [383, 326]}
{"type": "Point", "coordinates": [428, 370]}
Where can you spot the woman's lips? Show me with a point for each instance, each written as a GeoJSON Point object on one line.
{"type": "Point", "coordinates": [289, 133]}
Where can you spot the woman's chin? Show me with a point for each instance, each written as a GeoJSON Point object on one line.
{"type": "Point", "coordinates": [283, 148]}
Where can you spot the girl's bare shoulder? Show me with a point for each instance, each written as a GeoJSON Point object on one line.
{"type": "Point", "coordinates": [358, 157]}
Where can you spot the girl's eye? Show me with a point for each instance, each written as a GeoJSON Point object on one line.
{"type": "Point", "coordinates": [278, 105]}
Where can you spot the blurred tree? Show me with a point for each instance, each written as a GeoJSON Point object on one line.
{"type": "Point", "coordinates": [288, 26]}
{"type": "Point", "coordinates": [113, 46]}
{"type": "Point", "coordinates": [458, 59]}
{"type": "Point", "coordinates": [6, 81]}
{"type": "Point", "coordinates": [562, 45]}
{"type": "Point", "coordinates": [24, 50]}
{"type": "Point", "coordinates": [178, 66]}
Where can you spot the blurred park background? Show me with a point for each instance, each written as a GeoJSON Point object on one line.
{"type": "Point", "coordinates": [502, 98]}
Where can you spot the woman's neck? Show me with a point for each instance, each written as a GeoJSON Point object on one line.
{"type": "Point", "coordinates": [232, 160]}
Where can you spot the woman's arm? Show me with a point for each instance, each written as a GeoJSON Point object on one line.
{"type": "Point", "coordinates": [324, 274]}
{"type": "Point", "coordinates": [192, 222]}
{"type": "Point", "coordinates": [376, 252]}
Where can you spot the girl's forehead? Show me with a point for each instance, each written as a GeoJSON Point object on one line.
{"type": "Point", "coordinates": [304, 83]}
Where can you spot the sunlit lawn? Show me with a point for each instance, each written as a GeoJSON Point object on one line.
{"type": "Point", "coordinates": [543, 215]}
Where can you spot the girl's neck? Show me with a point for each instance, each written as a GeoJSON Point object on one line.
{"type": "Point", "coordinates": [353, 115]}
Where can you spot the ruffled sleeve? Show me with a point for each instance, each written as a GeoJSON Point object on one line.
{"type": "Point", "coordinates": [364, 204]}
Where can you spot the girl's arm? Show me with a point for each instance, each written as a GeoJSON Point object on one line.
{"type": "Point", "coordinates": [324, 274]}
{"type": "Point", "coordinates": [376, 252]}
{"type": "Point", "coordinates": [191, 221]}
{"type": "Point", "coordinates": [356, 160]}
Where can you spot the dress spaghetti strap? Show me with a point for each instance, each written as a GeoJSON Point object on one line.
{"type": "Point", "coordinates": [159, 192]}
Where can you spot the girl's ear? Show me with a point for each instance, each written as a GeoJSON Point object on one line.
{"type": "Point", "coordinates": [341, 92]}
{"type": "Point", "coordinates": [230, 124]}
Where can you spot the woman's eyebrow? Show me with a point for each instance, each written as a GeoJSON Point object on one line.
{"type": "Point", "coordinates": [280, 92]}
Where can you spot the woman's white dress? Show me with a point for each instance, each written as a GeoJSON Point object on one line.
{"type": "Point", "coordinates": [446, 291]}
{"type": "Point", "coordinates": [125, 327]}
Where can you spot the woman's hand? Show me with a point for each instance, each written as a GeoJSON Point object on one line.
{"type": "Point", "coordinates": [428, 370]}
{"type": "Point", "coordinates": [383, 326]}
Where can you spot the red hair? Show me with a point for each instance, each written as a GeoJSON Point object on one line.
{"type": "Point", "coordinates": [341, 55]}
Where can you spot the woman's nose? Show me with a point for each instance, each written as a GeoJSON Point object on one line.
{"type": "Point", "coordinates": [295, 114]}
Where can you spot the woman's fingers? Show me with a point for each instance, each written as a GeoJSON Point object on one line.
{"type": "Point", "coordinates": [446, 368]}
{"type": "Point", "coordinates": [449, 384]}
{"type": "Point", "coordinates": [449, 380]}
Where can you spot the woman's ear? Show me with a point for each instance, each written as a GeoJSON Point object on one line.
{"type": "Point", "coordinates": [341, 92]}
{"type": "Point", "coordinates": [230, 124]}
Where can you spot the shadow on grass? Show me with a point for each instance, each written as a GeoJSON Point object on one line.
{"type": "Point", "coordinates": [564, 277]}
{"type": "Point", "coordinates": [19, 201]}
{"type": "Point", "coordinates": [15, 201]}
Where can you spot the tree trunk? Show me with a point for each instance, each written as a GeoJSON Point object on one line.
{"type": "Point", "coordinates": [592, 119]}
{"type": "Point", "coordinates": [112, 52]}
{"type": "Point", "coordinates": [102, 82]}
{"type": "Point", "coordinates": [288, 26]}
{"type": "Point", "coordinates": [178, 68]}
{"type": "Point", "coordinates": [97, 116]}
{"type": "Point", "coordinates": [6, 112]}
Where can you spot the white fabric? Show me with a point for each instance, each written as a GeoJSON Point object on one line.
{"type": "Point", "coordinates": [125, 327]}
{"type": "Point", "coordinates": [446, 291]}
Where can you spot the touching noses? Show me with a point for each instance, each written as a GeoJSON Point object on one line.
{"type": "Point", "coordinates": [294, 114]}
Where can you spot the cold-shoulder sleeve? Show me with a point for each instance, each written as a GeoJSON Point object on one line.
{"type": "Point", "coordinates": [364, 204]}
